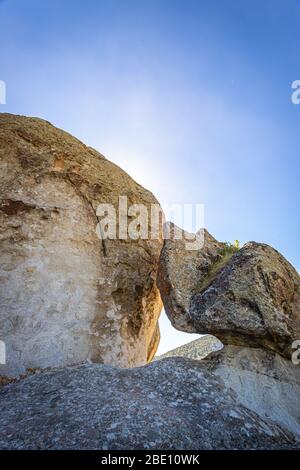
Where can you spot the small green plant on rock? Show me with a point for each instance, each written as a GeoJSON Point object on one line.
{"type": "Point", "coordinates": [225, 254]}
{"type": "Point", "coordinates": [230, 248]}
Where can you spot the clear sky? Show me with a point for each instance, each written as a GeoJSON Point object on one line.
{"type": "Point", "coordinates": [191, 98]}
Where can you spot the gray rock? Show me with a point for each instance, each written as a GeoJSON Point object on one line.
{"type": "Point", "coordinates": [181, 271]}
{"type": "Point", "coordinates": [263, 381]}
{"type": "Point", "coordinates": [249, 297]}
{"type": "Point", "coordinates": [197, 349]}
{"type": "Point", "coordinates": [169, 404]}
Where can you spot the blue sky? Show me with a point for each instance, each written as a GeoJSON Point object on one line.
{"type": "Point", "coordinates": [192, 98]}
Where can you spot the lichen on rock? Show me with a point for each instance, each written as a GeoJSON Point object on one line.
{"type": "Point", "coordinates": [248, 298]}
{"type": "Point", "coordinates": [174, 403]}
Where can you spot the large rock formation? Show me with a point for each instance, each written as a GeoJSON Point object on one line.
{"type": "Point", "coordinates": [248, 297]}
{"type": "Point", "coordinates": [65, 295]}
{"type": "Point", "coordinates": [170, 404]}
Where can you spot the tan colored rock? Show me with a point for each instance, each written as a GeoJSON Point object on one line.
{"type": "Point", "coordinates": [251, 297]}
{"type": "Point", "coordinates": [65, 295]}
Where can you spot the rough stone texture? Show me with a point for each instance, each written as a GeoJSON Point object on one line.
{"type": "Point", "coordinates": [66, 296]}
{"type": "Point", "coordinates": [251, 297]}
{"type": "Point", "coordinates": [180, 272]}
{"type": "Point", "coordinates": [264, 382]}
{"type": "Point", "coordinates": [197, 349]}
{"type": "Point", "coordinates": [170, 404]}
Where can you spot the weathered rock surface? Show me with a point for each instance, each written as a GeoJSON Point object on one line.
{"type": "Point", "coordinates": [197, 349]}
{"type": "Point", "coordinates": [263, 381]}
{"type": "Point", "coordinates": [251, 297]}
{"type": "Point", "coordinates": [180, 272]}
{"type": "Point", "coordinates": [170, 404]}
{"type": "Point", "coordinates": [65, 295]}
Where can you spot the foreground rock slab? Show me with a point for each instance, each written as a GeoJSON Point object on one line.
{"type": "Point", "coordinates": [175, 403]}
{"type": "Point", "coordinates": [65, 295]}
{"type": "Point", "coordinates": [250, 297]}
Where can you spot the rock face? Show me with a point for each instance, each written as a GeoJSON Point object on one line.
{"type": "Point", "coordinates": [197, 349]}
{"type": "Point", "coordinates": [180, 270]}
{"type": "Point", "coordinates": [250, 297]}
{"type": "Point", "coordinates": [263, 381]}
{"type": "Point", "coordinates": [170, 404]}
{"type": "Point", "coordinates": [65, 295]}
